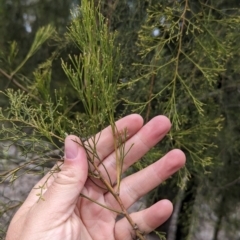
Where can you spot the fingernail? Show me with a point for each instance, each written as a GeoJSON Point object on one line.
{"type": "Point", "coordinates": [71, 149]}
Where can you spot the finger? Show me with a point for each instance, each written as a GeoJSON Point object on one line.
{"type": "Point", "coordinates": [139, 184]}
{"type": "Point", "coordinates": [41, 187]}
{"type": "Point", "coordinates": [140, 143]}
{"type": "Point", "coordinates": [147, 220]}
{"type": "Point", "coordinates": [62, 195]}
{"type": "Point", "coordinates": [104, 147]}
{"type": "Point", "coordinates": [103, 142]}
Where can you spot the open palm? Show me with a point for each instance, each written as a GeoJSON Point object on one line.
{"type": "Point", "coordinates": [64, 214]}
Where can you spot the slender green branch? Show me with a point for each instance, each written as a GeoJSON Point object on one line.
{"type": "Point", "coordinates": [10, 78]}
{"type": "Point", "coordinates": [102, 205]}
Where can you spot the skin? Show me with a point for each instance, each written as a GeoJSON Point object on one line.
{"type": "Point", "coordinates": [64, 215]}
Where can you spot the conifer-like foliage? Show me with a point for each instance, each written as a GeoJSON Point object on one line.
{"type": "Point", "coordinates": [178, 58]}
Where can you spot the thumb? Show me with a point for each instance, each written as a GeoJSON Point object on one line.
{"type": "Point", "coordinates": [61, 197]}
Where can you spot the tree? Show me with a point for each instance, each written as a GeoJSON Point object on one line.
{"type": "Point", "coordinates": [179, 58]}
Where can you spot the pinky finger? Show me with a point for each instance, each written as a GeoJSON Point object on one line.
{"type": "Point", "coordinates": [147, 220]}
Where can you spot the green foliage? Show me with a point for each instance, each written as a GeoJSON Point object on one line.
{"type": "Point", "coordinates": [91, 73]}
{"type": "Point", "coordinates": [42, 35]}
{"type": "Point", "coordinates": [178, 58]}
{"type": "Point", "coordinates": [31, 119]}
{"type": "Point", "coordinates": [177, 68]}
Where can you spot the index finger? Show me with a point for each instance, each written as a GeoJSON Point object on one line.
{"type": "Point", "coordinates": [102, 144]}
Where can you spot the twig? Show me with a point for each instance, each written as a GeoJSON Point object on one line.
{"type": "Point", "coordinates": [19, 85]}
{"type": "Point", "coordinates": [230, 184]}
{"type": "Point", "coordinates": [111, 189]}
{"type": "Point", "coordinates": [98, 203]}
{"type": "Point", "coordinates": [150, 96]}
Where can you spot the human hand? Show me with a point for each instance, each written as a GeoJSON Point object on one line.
{"type": "Point", "coordinates": [63, 214]}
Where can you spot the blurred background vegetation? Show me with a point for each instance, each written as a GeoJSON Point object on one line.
{"type": "Point", "coordinates": [177, 58]}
